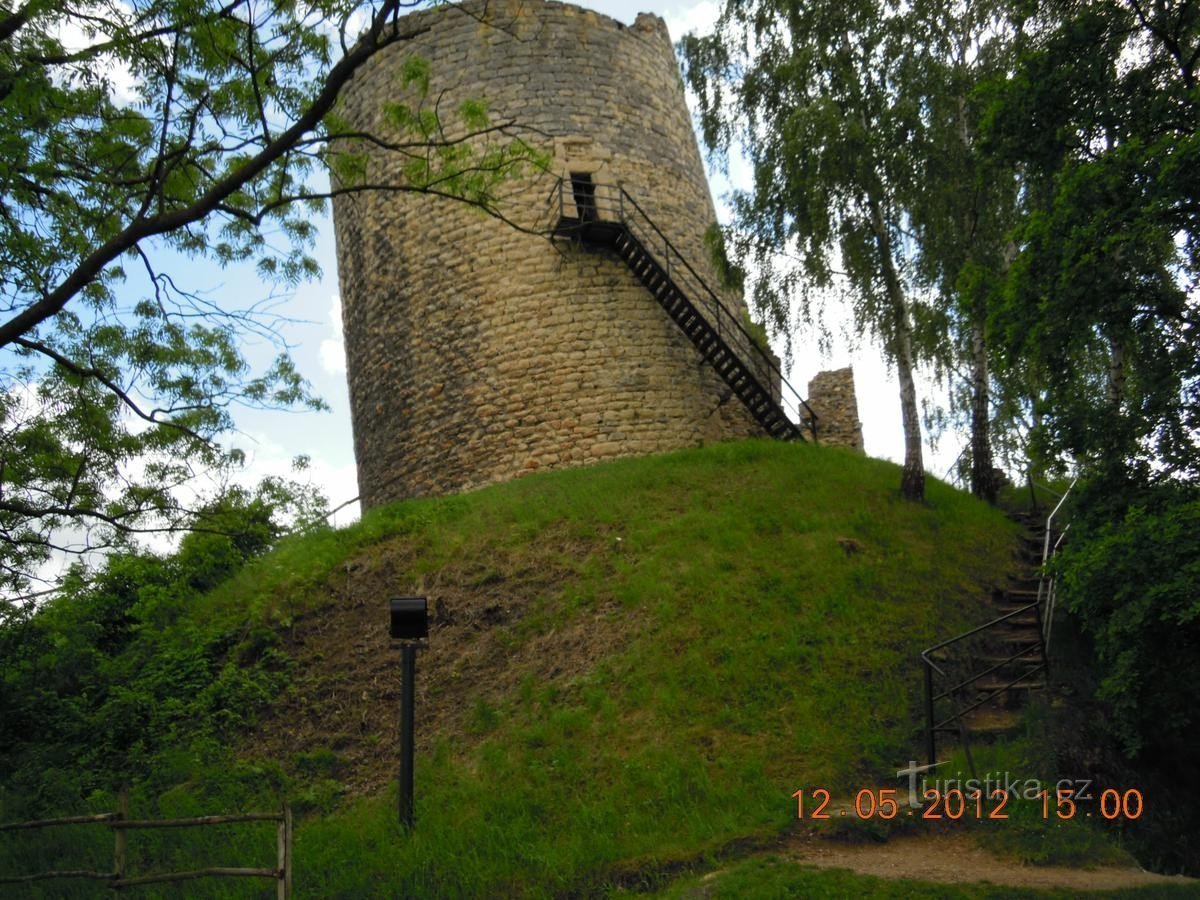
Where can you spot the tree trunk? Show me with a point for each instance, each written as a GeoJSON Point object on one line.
{"type": "Point", "coordinates": [983, 475]}
{"type": "Point", "coordinates": [912, 477]}
{"type": "Point", "coordinates": [1116, 373]}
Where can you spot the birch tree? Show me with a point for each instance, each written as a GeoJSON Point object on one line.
{"type": "Point", "coordinates": [814, 94]}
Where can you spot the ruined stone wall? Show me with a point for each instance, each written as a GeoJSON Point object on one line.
{"type": "Point", "coordinates": [477, 353]}
{"type": "Point", "coordinates": [831, 396]}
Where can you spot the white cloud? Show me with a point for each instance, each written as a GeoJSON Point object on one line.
{"type": "Point", "coordinates": [333, 348]}
{"type": "Point", "coordinates": [698, 17]}
{"type": "Point", "coordinates": [74, 36]}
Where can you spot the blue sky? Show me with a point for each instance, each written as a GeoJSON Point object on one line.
{"type": "Point", "coordinates": [272, 439]}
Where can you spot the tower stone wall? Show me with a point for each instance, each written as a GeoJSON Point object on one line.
{"type": "Point", "coordinates": [477, 352]}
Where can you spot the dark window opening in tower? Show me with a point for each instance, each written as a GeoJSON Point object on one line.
{"type": "Point", "coordinates": [584, 190]}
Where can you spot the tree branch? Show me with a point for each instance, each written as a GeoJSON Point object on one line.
{"type": "Point", "coordinates": [53, 301]}
{"type": "Point", "coordinates": [97, 375]}
{"type": "Point", "coordinates": [14, 23]}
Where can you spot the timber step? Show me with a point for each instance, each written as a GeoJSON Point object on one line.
{"type": "Point", "coordinates": [988, 688]}
{"type": "Point", "coordinates": [986, 676]}
{"type": "Point", "coordinates": [993, 721]}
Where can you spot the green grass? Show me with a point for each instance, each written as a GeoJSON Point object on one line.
{"type": "Point", "coordinates": [1035, 832]}
{"type": "Point", "coordinates": [781, 592]}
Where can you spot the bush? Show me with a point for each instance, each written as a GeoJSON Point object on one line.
{"type": "Point", "coordinates": [1130, 574]}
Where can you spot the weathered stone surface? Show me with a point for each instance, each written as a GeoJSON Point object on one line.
{"type": "Point", "coordinates": [477, 353]}
{"type": "Point", "coordinates": [831, 396]}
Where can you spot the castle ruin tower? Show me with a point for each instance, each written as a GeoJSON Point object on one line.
{"type": "Point", "coordinates": [477, 352]}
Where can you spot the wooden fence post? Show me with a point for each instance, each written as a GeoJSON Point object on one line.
{"type": "Point", "coordinates": [284, 885]}
{"type": "Point", "coordinates": [120, 823]}
{"type": "Point", "coordinates": [287, 868]}
{"type": "Point", "coordinates": [119, 838]}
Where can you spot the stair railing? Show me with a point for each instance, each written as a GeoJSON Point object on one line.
{"type": "Point", "coordinates": [1043, 609]}
{"type": "Point", "coordinates": [613, 205]}
{"type": "Point", "coordinates": [958, 685]}
{"type": "Point", "coordinates": [1048, 581]}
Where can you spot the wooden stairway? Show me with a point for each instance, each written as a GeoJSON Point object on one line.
{"type": "Point", "coordinates": [619, 225]}
{"type": "Point", "coordinates": [978, 682]}
{"type": "Point", "coordinates": [704, 336]}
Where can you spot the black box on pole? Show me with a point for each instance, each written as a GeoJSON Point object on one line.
{"type": "Point", "coordinates": [409, 618]}
{"type": "Point", "coordinates": [408, 623]}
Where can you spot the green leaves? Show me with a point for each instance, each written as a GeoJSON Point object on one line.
{"type": "Point", "coordinates": [1096, 307]}
{"type": "Point", "coordinates": [1131, 579]}
{"type": "Point", "coordinates": [133, 131]}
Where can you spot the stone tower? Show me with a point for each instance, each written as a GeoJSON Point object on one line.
{"type": "Point", "coordinates": [476, 352]}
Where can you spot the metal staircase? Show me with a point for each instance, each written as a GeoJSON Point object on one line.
{"type": "Point", "coordinates": [976, 682]}
{"type": "Point", "coordinates": [608, 219]}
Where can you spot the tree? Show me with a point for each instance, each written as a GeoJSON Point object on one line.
{"type": "Point", "coordinates": [137, 131]}
{"type": "Point", "coordinates": [1099, 311]}
{"type": "Point", "coordinates": [814, 93]}
{"type": "Point", "coordinates": [112, 670]}
{"type": "Point", "coordinates": [1100, 303]}
{"type": "Point", "coordinates": [967, 205]}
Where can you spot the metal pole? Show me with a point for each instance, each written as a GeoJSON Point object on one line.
{"type": "Point", "coordinates": [929, 736]}
{"type": "Point", "coordinates": [408, 664]}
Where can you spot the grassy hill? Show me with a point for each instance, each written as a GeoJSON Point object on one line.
{"type": "Point", "coordinates": [630, 667]}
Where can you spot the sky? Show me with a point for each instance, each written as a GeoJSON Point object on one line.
{"type": "Point", "coordinates": [272, 439]}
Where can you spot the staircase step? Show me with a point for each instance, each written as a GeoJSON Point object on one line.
{"type": "Point", "coordinates": [1002, 606]}
{"type": "Point", "coordinates": [990, 687]}
{"type": "Point", "coordinates": [1029, 619]}
{"type": "Point", "coordinates": [1033, 655]}
{"type": "Point", "coordinates": [993, 721]}
{"type": "Point", "coordinates": [1026, 594]}
{"type": "Point", "coordinates": [1023, 635]}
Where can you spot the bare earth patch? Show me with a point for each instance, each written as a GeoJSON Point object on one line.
{"type": "Point", "coordinates": [956, 859]}
{"type": "Point", "coordinates": [346, 687]}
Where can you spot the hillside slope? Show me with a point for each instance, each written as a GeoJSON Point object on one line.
{"type": "Point", "coordinates": [630, 666]}
{"type": "Point", "coordinates": [638, 661]}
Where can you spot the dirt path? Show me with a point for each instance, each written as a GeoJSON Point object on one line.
{"type": "Point", "coordinates": [956, 859]}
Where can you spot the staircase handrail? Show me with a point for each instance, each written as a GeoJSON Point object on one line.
{"type": "Point", "coordinates": [1043, 607]}
{"type": "Point", "coordinates": [932, 669]}
{"type": "Point", "coordinates": [798, 404]}
{"type": "Point", "coordinates": [1047, 581]}
{"type": "Point", "coordinates": [925, 654]}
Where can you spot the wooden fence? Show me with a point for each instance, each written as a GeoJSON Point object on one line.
{"type": "Point", "coordinates": [120, 824]}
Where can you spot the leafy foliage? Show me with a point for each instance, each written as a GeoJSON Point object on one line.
{"type": "Point", "coordinates": [109, 676]}
{"type": "Point", "coordinates": [1130, 576]}
{"type": "Point", "coordinates": [139, 134]}
{"type": "Point", "coordinates": [1098, 318]}
{"type": "Point", "coordinates": [1098, 324]}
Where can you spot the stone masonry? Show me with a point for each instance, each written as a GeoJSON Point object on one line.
{"type": "Point", "coordinates": [476, 352]}
{"type": "Point", "coordinates": [831, 396]}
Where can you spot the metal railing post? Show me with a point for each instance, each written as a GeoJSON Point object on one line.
{"type": "Point", "coordinates": [1044, 643]}
{"type": "Point", "coordinates": [930, 739]}
{"type": "Point", "coordinates": [408, 664]}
